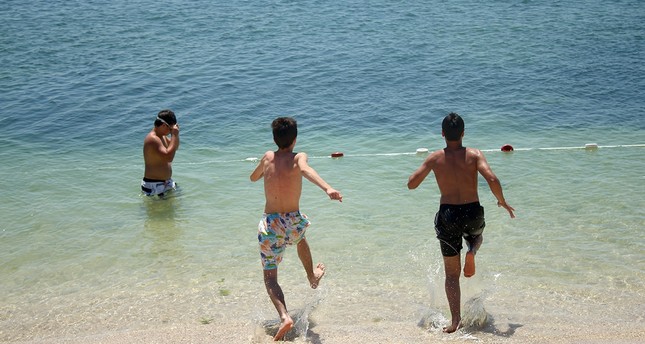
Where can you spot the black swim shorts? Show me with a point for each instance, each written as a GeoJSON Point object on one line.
{"type": "Point", "coordinates": [453, 222]}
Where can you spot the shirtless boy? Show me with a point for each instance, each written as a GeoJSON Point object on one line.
{"type": "Point", "coordinates": [158, 153]}
{"type": "Point", "coordinates": [282, 223]}
{"type": "Point", "coordinates": [460, 214]}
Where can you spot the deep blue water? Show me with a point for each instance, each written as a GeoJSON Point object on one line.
{"type": "Point", "coordinates": [88, 75]}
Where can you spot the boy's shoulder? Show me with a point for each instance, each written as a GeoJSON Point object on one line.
{"type": "Point", "coordinates": [300, 155]}
{"type": "Point", "coordinates": [474, 151]}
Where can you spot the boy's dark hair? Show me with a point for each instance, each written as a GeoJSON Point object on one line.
{"type": "Point", "coordinates": [453, 127]}
{"type": "Point", "coordinates": [285, 130]}
{"type": "Point", "coordinates": [166, 115]}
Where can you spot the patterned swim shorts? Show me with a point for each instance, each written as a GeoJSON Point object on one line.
{"type": "Point", "coordinates": [276, 231]}
{"type": "Point", "coordinates": [151, 187]}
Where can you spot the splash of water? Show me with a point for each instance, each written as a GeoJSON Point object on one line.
{"type": "Point", "coordinates": [474, 313]}
{"type": "Point", "coordinates": [300, 318]}
{"type": "Point", "coordinates": [433, 321]}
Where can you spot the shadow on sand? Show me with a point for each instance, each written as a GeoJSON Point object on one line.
{"type": "Point", "coordinates": [491, 327]}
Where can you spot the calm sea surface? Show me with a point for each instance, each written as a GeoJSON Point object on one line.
{"type": "Point", "coordinates": [81, 82]}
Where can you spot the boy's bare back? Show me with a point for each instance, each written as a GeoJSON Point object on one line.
{"type": "Point", "coordinates": [282, 181]}
{"type": "Point", "coordinates": [456, 173]}
{"type": "Point", "coordinates": [283, 171]}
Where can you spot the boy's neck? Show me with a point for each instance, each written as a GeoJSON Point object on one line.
{"type": "Point", "coordinates": [287, 149]}
{"type": "Point", "coordinates": [454, 145]}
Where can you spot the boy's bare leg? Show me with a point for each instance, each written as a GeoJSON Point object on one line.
{"type": "Point", "coordinates": [277, 297]}
{"type": "Point", "coordinates": [313, 275]}
{"type": "Point", "coordinates": [473, 246]}
{"type": "Point", "coordinates": [452, 267]}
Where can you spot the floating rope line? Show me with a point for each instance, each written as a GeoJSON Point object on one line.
{"type": "Point", "coordinates": [504, 149]}
{"type": "Point", "coordinates": [588, 146]}
{"type": "Point", "coordinates": [419, 152]}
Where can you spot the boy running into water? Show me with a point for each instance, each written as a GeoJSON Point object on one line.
{"type": "Point", "coordinates": [460, 214]}
{"type": "Point", "coordinates": [282, 223]}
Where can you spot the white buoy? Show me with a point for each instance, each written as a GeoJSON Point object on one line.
{"type": "Point", "coordinates": [422, 150]}
{"type": "Point", "coordinates": [591, 146]}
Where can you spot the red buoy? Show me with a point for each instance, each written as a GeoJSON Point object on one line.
{"type": "Point", "coordinates": [337, 154]}
{"type": "Point", "coordinates": [507, 148]}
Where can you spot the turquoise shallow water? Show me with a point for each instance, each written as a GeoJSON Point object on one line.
{"type": "Point", "coordinates": [83, 252]}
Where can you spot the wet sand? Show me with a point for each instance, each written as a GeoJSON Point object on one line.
{"type": "Point", "coordinates": [377, 332]}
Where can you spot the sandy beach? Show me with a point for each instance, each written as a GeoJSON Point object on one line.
{"type": "Point", "coordinates": [328, 322]}
{"type": "Point", "coordinates": [403, 333]}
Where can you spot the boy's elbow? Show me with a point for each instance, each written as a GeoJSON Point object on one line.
{"type": "Point", "coordinates": [493, 180]}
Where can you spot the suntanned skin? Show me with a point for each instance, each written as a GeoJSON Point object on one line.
{"type": "Point", "coordinates": [282, 171]}
{"type": "Point", "coordinates": [455, 168]}
{"type": "Point", "coordinates": [159, 151]}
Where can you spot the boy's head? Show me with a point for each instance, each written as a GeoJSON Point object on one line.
{"type": "Point", "coordinates": [165, 117]}
{"type": "Point", "coordinates": [452, 127]}
{"type": "Point", "coordinates": [285, 130]}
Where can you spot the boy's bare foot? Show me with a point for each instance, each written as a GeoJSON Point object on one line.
{"type": "Point", "coordinates": [285, 326]}
{"type": "Point", "coordinates": [453, 327]}
{"type": "Point", "coordinates": [469, 265]}
{"type": "Point", "coordinates": [319, 272]}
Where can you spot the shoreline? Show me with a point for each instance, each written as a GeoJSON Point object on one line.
{"type": "Point", "coordinates": [333, 314]}
{"type": "Point", "coordinates": [393, 332]}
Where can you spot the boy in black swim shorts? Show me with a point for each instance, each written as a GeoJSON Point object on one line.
{"type": "Point", "coordinates": [456, 170]}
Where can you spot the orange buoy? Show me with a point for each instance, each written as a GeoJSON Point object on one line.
{"type": "Point", "coordinates": [507, 148]}
{"type": "Point", "coordinates": [337, 154]}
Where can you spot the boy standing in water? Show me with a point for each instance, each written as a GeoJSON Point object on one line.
{"type": "Point", "coordinates": [158, 153]}
{"type": "Point", "coordinates": [460, 214]}
{"type": "Point", "coordinates": [282, 223]}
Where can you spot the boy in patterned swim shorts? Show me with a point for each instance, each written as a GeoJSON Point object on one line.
{"type": "Point", "coordinates": [282, 223]}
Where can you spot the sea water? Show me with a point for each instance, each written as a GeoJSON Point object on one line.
{"type": "Point", "coordinates": [83, 252]}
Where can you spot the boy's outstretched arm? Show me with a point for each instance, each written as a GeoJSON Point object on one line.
{"type": "Point", "coordinates": [259, 170]}
{"type": "Point", "coordinates": [493, 183]}
{"type": "Point", "coordinates": [312, 176]}
{"type": "Point", "coordinates": [417, 177]}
